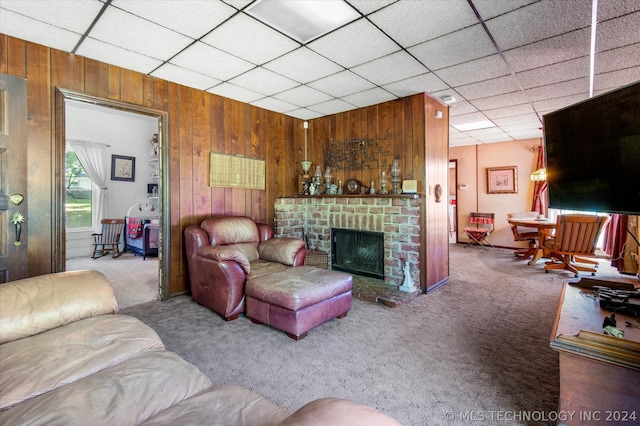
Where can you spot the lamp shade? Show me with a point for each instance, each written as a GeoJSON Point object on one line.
{"type": "Point", "coordinates": [539, 175]}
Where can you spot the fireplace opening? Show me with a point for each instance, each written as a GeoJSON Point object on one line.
{"type": "Point", "coordinates": [358, 252]}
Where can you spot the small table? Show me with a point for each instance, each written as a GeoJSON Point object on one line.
{"type": "Point", "coordinates": [541, 225]}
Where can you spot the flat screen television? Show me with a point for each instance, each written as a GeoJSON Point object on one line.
{"type": "Point", "coordinates": [593, 153]}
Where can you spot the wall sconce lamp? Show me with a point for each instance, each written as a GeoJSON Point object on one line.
{"type": "Point", "coordinates": [539, 175]}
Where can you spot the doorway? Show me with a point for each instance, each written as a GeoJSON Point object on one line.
{"type": "Point", "coordinates": [452, 200]}
{"type": "Point", "coordinates": [69, 103]}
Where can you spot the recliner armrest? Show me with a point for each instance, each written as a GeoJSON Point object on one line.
{"type": "Point", "coordinates": [285, 250]}
{"type": "Point", "coordinates": [222, 253]}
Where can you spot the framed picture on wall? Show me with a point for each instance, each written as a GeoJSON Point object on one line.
{"type": "Point", "coordinates": [502, 180]}
{"type": "Point", "coordinates": [123, 168]}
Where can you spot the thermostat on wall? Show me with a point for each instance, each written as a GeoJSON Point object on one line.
{"type": "Point", "coordinates": [410, 186]}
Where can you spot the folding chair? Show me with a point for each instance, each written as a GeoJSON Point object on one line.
{"type": "Point", "coordinates": [481, 225]}
{"type": "Point", "coordinates": [109, 238]}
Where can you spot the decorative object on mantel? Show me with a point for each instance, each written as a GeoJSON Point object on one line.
{"type": "Point", "coordinates": [395, 177]}
{"type": "Point", "coordinates": [372, 190]}
{"type": "Point", "coordinates": [383, 183]}
{"type": "Point", "coordinates": [327, 180]}
{"type": "Point", "coordinates": [409, 186]}
{"type": "Point", "coordinates": [356, 154]}
{"type": "Point", "coordinates": [408, 285]}
{"type": "Point", "coordinates": [306, 178]}
{"type": "Point", "coordinates": [353, 186]}
{"type": "Point", "coordinates": [340, 191]}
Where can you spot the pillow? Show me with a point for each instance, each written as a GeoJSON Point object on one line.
{"type": "Point", "coordinates": [282, 250]}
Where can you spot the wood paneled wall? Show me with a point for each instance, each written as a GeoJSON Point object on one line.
{"type": "Point", "coordinates": [200, 122]}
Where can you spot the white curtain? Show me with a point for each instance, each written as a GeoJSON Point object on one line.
{"type": "Point", "coordinates": [94, 159]}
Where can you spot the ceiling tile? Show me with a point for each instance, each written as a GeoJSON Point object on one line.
{"type": "Point", "coordinates": [264, 81]}
{"type": "Point", "coordinates": [555, 73]}
{"type": "Point", "coordinates": [555, 90]}
{"type": "Point", "coordinates": [109, 54]}
{"type": "Point", "coordinates": [210, 61]}
{"type": "Point", "coordinates": [20, 26]}
{"type": "Point", "coordinates": [491, 8]}
{"type": "Point", "coordinates": [493, 87]}
{"type": "Point", "coordinates": [273, 104]}
{"type": "Point", "coordinates": [130, 32]}
{"type": "Point", "coordinates": [558, 103]}
{"type": "Point", "coordinates": [303, 96]}
{"type": "Point", "coordinates": [500, 101]}
{"type": "Point", "coordinates": [391, 68]}
{"type": "Point", "coordinates": [422, 83]}
{"type": "Point", "coordinates": [303, 65]}
{"type": "Point", "coordinates": [473, 71]}
{"type": "Point", "coordinates": [354, 44]}
{"type": "Point", "coordinates": [70, 15]}
{"type": "Point", "coordinates": [531, 119]}
{"type": "Point", "coordinates": [249, 39]}
{"type": "Point", "coordinates": [498, 137]}
{"type": "Point", "coordinates": [423, 20]}
{"type": "Point", "coordinates": [552, 18]}
{"type": "Point", "coordinates": [304, 114]}
{"type": "Point", "coordinates": [461, 108]}
{"type": "Point", "coordinates": [238, 93]}
{"type": "Point", "coordinates": [572, 45]}
{"type": "Point", "coordinates": [369, 97]}
{"type": "Point", "coordinates": [341, 84]}
{"type": "Point", "coordinates": [525, 134]}
{"type": "Point", "coordinates": [332, 107]}
{"type": "Point", "coordinates": [613, 9]}
{"type": "Point", "coordinates": [193, 18]}
{"type": "Point", "coordinates": [466, 118]}
{"type": "Point", "coordinates": [368, 6]}
{"type": "Point", "coordinates": [614, 79]}
{"type": "Point", "coordinates": [617, 59]}
{"type": "Point", "coordinates": [185, 77]}
{"type": "Point", "coordinates": [621, 32]}
{"type": "Point", "coordinates": [455, 48]}
{"type": "Point", "coordinates": [508, 111]}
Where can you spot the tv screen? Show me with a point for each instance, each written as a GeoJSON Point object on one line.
{"type": "Point", "coordinates": [593, 153]}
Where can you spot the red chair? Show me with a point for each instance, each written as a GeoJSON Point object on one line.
{"type": "Point", "coordinates": [481, 225]}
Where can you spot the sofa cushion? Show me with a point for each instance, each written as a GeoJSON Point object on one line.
{"type": "Point", "coordinates": [262, 267]}
{"type": "Point", "coordinates": [222, 406]}
{"type": "Point", "coordinates": [127, 393]}
{"type": "Point", "coordinates": [221, 253]}
{"type": "Point", "coordinates": [65, 354]}
{"type": "Point", "coordinates": [296, 288]}
{"type": "Point", "coordinates": [33, 305]}
{"type": "Point", "coordinates": [282, 250]}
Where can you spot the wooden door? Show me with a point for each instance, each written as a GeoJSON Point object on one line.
{"type": "Point", "coordinates": [13, 178]}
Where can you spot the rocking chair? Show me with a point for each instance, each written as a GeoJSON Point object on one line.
{"type": "Point", "coordinates": [109, 239]}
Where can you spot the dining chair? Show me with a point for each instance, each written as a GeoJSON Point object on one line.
{"type": "Point", "coordinates": [109, 238]}
{"type": "Point", "coordinates": [481, 225]}
{"type": "Point", "coordinates": [524, 233]}
{"type": "Point", "coordinates": [576, 237]}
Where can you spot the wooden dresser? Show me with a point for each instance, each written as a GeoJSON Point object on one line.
{"type": "Point", "coordinates": [599, 374]}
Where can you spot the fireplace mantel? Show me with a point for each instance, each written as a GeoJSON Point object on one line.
{"type": "Point", "coordinates": [397, 216]}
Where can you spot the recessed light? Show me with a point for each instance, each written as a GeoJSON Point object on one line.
{"type": "Point", "coordinates": [303, 20]}
{"type": "Point", "coordinates": [474, 125]}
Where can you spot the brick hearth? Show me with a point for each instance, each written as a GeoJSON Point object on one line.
{"type": "Point", "coordinates": [397, 217]}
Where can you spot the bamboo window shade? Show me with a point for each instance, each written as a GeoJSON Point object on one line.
{"type": "Point", "coordinates": [234, 171]}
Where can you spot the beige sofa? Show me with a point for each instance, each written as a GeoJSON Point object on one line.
{"type": "Point", "coordinates": [68, 358]}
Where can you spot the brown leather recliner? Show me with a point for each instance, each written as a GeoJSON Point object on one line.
{"type": "Point", "coordinates": [223, 250]}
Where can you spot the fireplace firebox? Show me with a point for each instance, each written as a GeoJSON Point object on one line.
{"type": "Point", "coordinates": [358, 252]}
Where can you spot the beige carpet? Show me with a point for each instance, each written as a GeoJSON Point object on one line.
{"type": "Point", "coordinates": [134, 280]}
{"type": "Point", "coordinates": [479, 344]}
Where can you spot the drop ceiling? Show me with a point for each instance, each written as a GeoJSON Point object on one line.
{"type": "Point", "coordinates": [506, 61]}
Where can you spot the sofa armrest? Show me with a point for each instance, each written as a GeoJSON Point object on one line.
{"type": "Point", "coordinates": [37, 304]}
{"type": "Point", "coordinates": [264, 231]}
{"type": "Point", "coordinates": [288, 251]}
{"type": "Point", "coordinates": [337, 412]}
{"type": "Point", "coordinates": [222, 253]}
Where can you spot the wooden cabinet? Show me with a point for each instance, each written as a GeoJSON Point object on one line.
{"type": "Point", "coordinates": [599, 374]}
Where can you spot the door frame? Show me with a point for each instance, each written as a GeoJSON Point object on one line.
{"type": "Point", "coordinates": [59, 226]}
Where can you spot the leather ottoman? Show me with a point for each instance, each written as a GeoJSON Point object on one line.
{"type": "Point", "coordinates": [298, 299]}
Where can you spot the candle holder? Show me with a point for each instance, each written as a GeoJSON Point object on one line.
{"type": "Point", "coordinates": [327, 180]}
{"type": "Point", "coordinates": [316, 182]}
{"type": "Point", "coordinates": [306, 179]}
{"type": "Point", "coordinates": [395, 177]}
{"type": "Point", "coordinates": [383, 183]}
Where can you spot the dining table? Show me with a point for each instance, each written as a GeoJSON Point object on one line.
{"type": "Point", "coordinates": [545, 227]}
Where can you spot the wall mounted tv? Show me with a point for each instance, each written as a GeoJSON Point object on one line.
{"type": "Point", "coordinates": [593, 153]}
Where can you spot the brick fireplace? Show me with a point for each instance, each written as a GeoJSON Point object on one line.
{"type": "Point", "coordinates": [396, 217]}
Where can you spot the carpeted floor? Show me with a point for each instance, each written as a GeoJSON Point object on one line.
{"type": "Point", "coordinates": [134, 280]}
{"type": "Point", "coordinates": [478, 346]}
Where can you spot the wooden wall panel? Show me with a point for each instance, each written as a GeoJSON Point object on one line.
{"type": "Point", "coordinates": [198, 123]}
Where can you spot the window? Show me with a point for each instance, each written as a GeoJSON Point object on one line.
{"type": "Point", "coordinates": [78, 206]}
